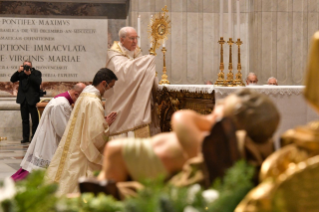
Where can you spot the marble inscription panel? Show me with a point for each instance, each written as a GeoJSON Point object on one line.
{"type": "Point", "coordinates": [62, 49]}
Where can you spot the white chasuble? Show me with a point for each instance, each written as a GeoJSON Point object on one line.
{"type": "Point", "coordinates": [80, 151]}
{"type": "Point", "coordinates": [48, 135]}
{"type": "Point", "coordinates": [132, 95]}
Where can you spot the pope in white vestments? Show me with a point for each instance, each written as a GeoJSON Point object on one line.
{"type": "Point", "coordinates": [80, 151]}
{"type": "Point", "coordinates": [135, 88]}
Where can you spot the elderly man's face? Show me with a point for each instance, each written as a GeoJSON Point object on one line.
{"type": "Point", "coordinates": [251, 79]}
{"type": "Point", "coordinates": [272, 81]}
{"type": "Point", "coordinates": [130, 41]}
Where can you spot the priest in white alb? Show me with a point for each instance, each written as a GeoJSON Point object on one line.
{"type": "Point", "coordinates": [49, 132]}
{"type": "Point", "coordinates": [135, 89]}
{"type": "Point", "coordinates": [80, 151]}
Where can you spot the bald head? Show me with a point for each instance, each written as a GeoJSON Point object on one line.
{"type": "Point", "coordinates": [251, 79]}
{"type": "Point", "coordinates": [272, 81]}
{"type": "Point", "coordinates": [76, 90]}
{"type": "Point", "coordinates": [128, 38]}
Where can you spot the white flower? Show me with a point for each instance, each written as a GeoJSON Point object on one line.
{"type": "Point", "coordinates": [8, 190]}
{"type": "Point", "coordinates": [210, 195]}
{"type": "Point", "coordinates": [190, 209]}
{"type": "Point", "coordinates": [192, 191]}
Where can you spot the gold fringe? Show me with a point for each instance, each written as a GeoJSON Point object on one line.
{"type": "Point", "coordinates": [143, 132]}
{"type": "Point", "coordinates": [132, 129]}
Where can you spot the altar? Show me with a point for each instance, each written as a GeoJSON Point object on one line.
{"type": "Point", "coordinates": [289, 100]}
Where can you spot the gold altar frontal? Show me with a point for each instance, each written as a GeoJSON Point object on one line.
{"type": "Point", "coordinates": [171, 101]}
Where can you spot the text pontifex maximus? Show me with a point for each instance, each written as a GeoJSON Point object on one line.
{"type": "Point", "coordinates": [59, 48]}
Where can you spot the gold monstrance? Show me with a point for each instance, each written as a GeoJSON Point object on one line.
{"type": "Point", "coordinates": [158, 32]}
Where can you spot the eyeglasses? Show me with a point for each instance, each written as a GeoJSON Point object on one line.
{"type": "Point", "coordinates": [133, 38]}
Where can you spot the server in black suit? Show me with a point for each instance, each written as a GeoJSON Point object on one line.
{"type": "Point", "coordinates": [28, 96]}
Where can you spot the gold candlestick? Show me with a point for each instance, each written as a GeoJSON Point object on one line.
{"type": "Point", "coordinates": [230, 75]}
{"type": "Point", "coordinates": [238, 79]}
{"type": "Point", "coordinates": [3, 138]}
{"type": "Point", "coordinates": [221, 76]}
{"type": "Point", "coordinates": [164, 79]}
{"type": "Point", "coordinates": [152, 50]}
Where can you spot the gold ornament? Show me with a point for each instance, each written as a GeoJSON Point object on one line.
{"type": "Point", "coordinates": [159, 29]}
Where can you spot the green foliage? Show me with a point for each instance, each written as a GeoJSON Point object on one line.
{"type": "Point", "coordinates": [236, 184]}
{"type": "Point", "coordinates": [34, 195]}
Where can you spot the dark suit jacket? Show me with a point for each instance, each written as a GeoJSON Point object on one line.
{"type": "Point", "coordinates": [29, 86]}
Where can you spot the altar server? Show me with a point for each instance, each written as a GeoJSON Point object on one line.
{"type": "Point", "coordinates": [80, 151]}
{"type": "Point", "coordinates": [49, 132]}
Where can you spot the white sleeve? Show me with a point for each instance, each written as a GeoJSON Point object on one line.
{"type": "Point", "coordinates": [60, 115]}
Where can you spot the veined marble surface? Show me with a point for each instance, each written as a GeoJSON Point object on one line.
{"type": "Point", "coordinates": [11, 155]}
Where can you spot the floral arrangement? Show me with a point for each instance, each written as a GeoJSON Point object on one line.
{"type": "Point", "coordinates": [33, 195]}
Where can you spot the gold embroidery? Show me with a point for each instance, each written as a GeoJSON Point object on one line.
{"type": "Point", "coordinates": [116, 48]}
{"type": "Point", "coordinates": [132, 129]}
{"type": "Point", "coordinates": [68, 142]}
{"type": "Point", "coordinates": [143, 132]}
{"type": "Point", "coordinates": [91, 95]}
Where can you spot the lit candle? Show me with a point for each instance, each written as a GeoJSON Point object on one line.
{"type": "Point", "coordinates": [229, 19]}
{"type": "Point", "coordinates": [139, 30]}
{"type": "Point", "coordinates": [151, 22]}
{"type": "Point", "coordinates": [238, 20]}
{"type": "Point", "coordinates": [163, 42]}
{"type": "Point", "coordinates": [221, 10]}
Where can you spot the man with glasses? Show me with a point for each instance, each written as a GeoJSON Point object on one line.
{"type": "Point", "coordinates": [134, 90]}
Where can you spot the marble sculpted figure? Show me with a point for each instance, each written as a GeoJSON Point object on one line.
{"type": "Point", "coordinates": [166, 153]}
{"type": "Point", "coordinates": [137, 80]}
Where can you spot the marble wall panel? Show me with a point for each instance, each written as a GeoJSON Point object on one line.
{"type": "Point", "coordinates": [146, 6]}
{"type": "Point", "coordinates": [11, 125]}
{"type": "Point", "coordinates": [276, 36]}
{"type": "Point", "coordinates": [178, 5]}
{"type": "Point", "coordinates": [134, 5]}
{"type": "Point", "coordinates": [282, 47]}
{"type": "Point", "coordinates": [194, 5]}
{"type": "Point", "coordinates": [297, 54]}
{"type": "Point", "coordinates": [266, 52]}
{"type": "Point", "coordinates": [282, 6]}
{"type": "Point", "coordinates": [268, 6]}
{"type": "Point", "coordinates": [313, 5]}
{"type": "Point", "coordinates": [257, 5]}
{"type": "Point", "coordinates": [313, 25]}
{"type": "Point", "coordinates": [210, 47]}
{"type": "Point", "coordinates": [305, 45]}
{"type": "Point", "coordinates": [273, 69]}
{"type": "Point", "coordinates": [178, 48]}
{"type": "Point", "coordinates": [299, 5]}
{"type": "Point", "coordinates": [194, 45]}
{"type": "Point", "coordinates": [210, 6]}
